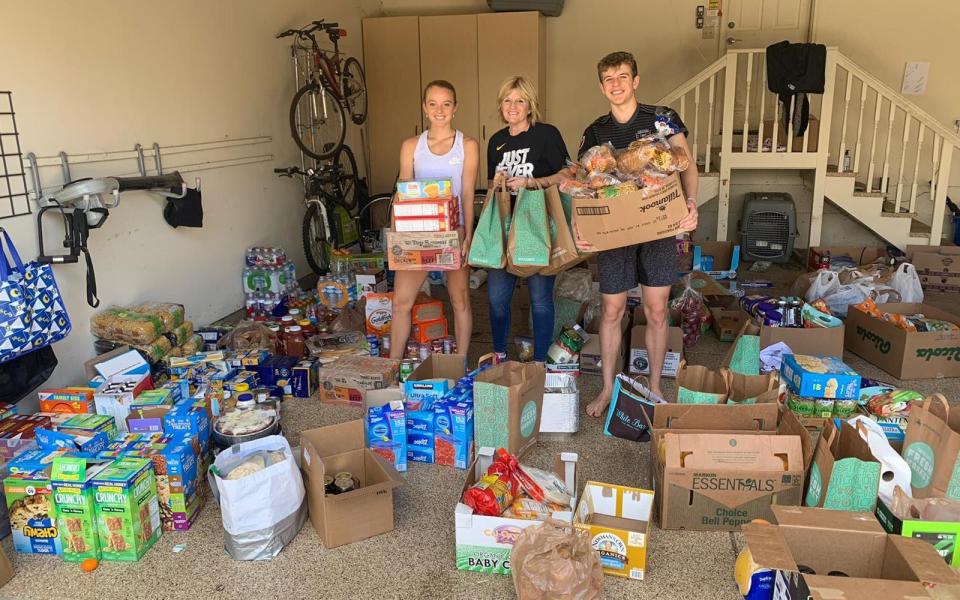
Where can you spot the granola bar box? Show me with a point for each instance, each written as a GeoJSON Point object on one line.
{"type": "Point", "coordinates": [33, 519]}
{"type": "Point", "coordinates": [128, 511]}
{"type": "Point", "coordinates": [73, 499]}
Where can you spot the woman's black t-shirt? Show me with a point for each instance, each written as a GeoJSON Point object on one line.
{"type": "Point", "coordinates": [537, 152]}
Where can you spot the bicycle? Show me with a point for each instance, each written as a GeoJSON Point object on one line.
{"type": "Point", "coordinates": [334, 85]}
{"type": "Point", "coordinates": [325, 187]}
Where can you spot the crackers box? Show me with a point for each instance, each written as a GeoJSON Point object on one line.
{"type": "Point", "coordinates": [431, 251]}
{"type": "Point", "coordinates": [423, 188]}
{"type": "Point", "coordinates": [127, 508]}
{"type": "Point", "coordinates": [426, 309]}
{"type": "Point", "coordinates": [428, 331]}
{"type": "Point", "coordinates": [618, 521]}
{"type": "Point", "coordinates": [820, 376]}
{"type": "Point", "coordinates": [67, 400]}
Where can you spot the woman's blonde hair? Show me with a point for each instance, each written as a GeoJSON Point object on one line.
{"type": "Point", "coordinates": [527, 91]}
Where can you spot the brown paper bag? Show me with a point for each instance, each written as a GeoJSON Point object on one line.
{"type": "Point", "coordinates": [932, 448]}
{"type": "Point", "coordinates": [553, 560]}
{"type": "Point", "coordinates": [507, 400]}
{"type": "Point", "coordinates": [563, 250]}
{"type": "Point", "coordinates": [536, 230]}
{"type": "Point", "coordinates": [752, 389]}
{"type": "Point", "coordinates": [697, 384]}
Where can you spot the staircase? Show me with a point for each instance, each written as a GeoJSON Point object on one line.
{"type": "Point", "coordinates": [900, 158]}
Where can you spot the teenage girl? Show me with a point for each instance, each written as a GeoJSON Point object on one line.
{"type": "Point", "coordinates": [439, 152]}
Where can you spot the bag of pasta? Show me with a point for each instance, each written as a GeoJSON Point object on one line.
{"type": "Point", "coordinates": [172, 315]}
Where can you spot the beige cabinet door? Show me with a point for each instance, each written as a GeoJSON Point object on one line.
{"type": "Point", "coordinates": [448, 50]}
{"type": "Point", "coordinates": [508, 44]}
{"type": "Point", "coordinates": [391, 57]}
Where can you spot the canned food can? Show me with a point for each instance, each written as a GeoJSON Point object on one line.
{"type": "Point", "coordinates": [436, 346]}
{"type": "Point", "coordinates": [406, 368]}
{"type": "Point", "coordinates": [374, 342]}
{"type": "Point", "coordinates": [449, 345]}
{"type": "Point", "coordinates": [328, 484]}
{"type": "Point", "coordinates": [413, 349]}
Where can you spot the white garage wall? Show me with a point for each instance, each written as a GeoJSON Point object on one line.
{"type": "Point", "coordinates": [102, 75]}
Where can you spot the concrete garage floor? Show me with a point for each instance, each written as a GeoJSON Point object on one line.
{"type": "Point", "coordinates": [416, 560]}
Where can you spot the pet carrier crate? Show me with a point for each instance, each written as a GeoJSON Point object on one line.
{"type": "Point", "coordinates": [768, 226]}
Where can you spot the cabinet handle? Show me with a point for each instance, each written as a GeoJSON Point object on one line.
{"type": "Point", "coordinates": [415, 128]}
{"type": "Point", "coordinates": [484, 135]}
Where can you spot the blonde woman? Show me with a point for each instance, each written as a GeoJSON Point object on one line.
{"type": "Point", "coordinates": [439, 152]}
{"type": "Point", "coordinates": [526, 154]}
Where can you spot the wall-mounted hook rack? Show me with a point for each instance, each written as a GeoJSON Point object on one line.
{"type": "Point", "coordinates": [65, 167]}
{"type": "Point", "coordinates": [141, 167]}
{"type": "Point", "coordinates": [156, 158]}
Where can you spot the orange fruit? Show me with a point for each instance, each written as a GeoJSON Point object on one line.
{"type": "Point", "coordinates": [89, 565]}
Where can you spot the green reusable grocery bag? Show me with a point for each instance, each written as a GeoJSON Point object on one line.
{"type": "Point", "coordinates": [487, 250]}
{"type": "Point", "coordinates": [529, 237]}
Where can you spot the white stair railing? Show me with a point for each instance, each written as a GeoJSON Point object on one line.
{"type": "Point", "coordinates": [897, 149]}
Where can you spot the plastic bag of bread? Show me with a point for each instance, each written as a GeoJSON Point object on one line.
{"type": "Point", "coordinates": [127, 326]}
{"type": "Point", "coordinates": [597, 180]}
{"type": "Point", "coordinates": [613, 191]}
{"type": "Point", "coordinates": [249, 335]}
{"type": "Point", "coordinates": [170, 314]}
{"type": "Point", "coordinates": [577, 189]}
{"type": "Point", "coordinates": [180, 334]}
{"type": "Point", "coordinates": [599, 159]}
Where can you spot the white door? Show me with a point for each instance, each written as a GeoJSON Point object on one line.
{"type": "Point", "coordinates": [759, 23]}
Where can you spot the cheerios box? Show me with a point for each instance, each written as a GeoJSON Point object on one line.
{"type": "Point", "coordinates": [74, 502]}
{"type": "Point", "coordinates": [820, 376]}
{"type": "Point", "coordinates": [484, 543]}
{"type": "Point", "coordinates": [33, 516]}
{"type": "Point", "coordinates": [128, 512]}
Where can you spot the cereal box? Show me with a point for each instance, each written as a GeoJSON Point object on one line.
{"type": "Point", "coordinates": [128, 512]}
{"type": "Point", "coordinates": [33, 516]}
{"type": "Point", "coordinates": [820, 376]}
{"type": "Point", "coordinates": [67, 400]}
{"type": "Point", "coordinates": [74, 502]}
{"type": "Point", "coordinates": [421, 189]}
{"type": "Point", "coordinates": [191, 420]}
{"type": "Point", "coordinates": [387, 433]}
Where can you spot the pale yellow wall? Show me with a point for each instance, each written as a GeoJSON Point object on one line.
{"type": "Point", "coordinates": [102, 75]}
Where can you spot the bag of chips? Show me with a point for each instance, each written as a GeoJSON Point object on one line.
{"type": "Point", "coordinates": [495, 491]}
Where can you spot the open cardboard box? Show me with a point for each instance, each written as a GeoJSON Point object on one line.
{"type": "Point", "coordinates": [435, 376]}
{"type": "Point", "coordinates": [484, 543]}
{"type": "Point", "coordinates": [727, 322]}
{"type": "Point", "coordinates": [590, 353]}
{"type": "Point", "coordinates": [366, 511]}
{"type": "Point", "coordinates": [726, 465]}
{"type": "Point", "coordinates": [904, 354]}
{"type": "Point", "coordinates": [944, 536]}
{"type": "Point", "coordinates": [618, 521]}
{"type": "Point", "coordinates": [831, 555]}
{"type": "Point", "coordinates": [637, 360]}
{"type": "Point", "coordinates": [724, 262]}
{"type": "Point", "coordinates": [819, 341]}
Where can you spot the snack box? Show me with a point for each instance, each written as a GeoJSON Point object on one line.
{"type": "Point", "coordinates": [453, 434]}
{"type": "Point", "coordinates": [191, 420]}
{"type": "Point", "coordinates": [7, 410]}
{"type": "Point", "coordinates": [820, 376]}
{"type": "Point", "coordinates": [441, 214]}
{"type": "Point", "coordinates": [420, 189]}
{"type": "Point", "coordinates": [33, 515]}
{"type": "Point", "coordinates": [34, 460]}
{"type": "Point", "coordinates": [428, 331]}
{"type": "Point", "coordinates": [152, 398]}
{"type": "Point", "coordinates": [379, 313]}
{"type": "Point", "coordinates": [17, 433]}
{"type": "Point", "coordinates": [618, 521]}
{"type": "Point", "coordinates": [387, 433]}
{"type": "Point", "coordinates": [67, 400]}
{"type": "Point", "coordinates": [306, 376]}
{"type": "Point", "coordinates": [127, 509]}
{"type": "Point", "coordinates": [425, 310]}
{"type": "Point", "coordinates": [90, 425]}
{"type": "Point", "coordinates": [73, 500]}
{"type": "Point", "coordinates": [426, 251]}
{"type": "Point", "coordinates": [80, 442]}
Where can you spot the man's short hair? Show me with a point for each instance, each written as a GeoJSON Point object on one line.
{"type": "Point", "coordinates": [614, 60]}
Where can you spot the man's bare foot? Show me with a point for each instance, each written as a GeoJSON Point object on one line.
{"type": "Point", "coordinates": [599, 405]}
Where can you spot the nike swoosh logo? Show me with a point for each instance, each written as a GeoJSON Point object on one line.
{"type": "Point", "coordinates": [500, 146]}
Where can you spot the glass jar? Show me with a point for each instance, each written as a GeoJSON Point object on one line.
{"type": "Point", "coordinates": [294, 341]}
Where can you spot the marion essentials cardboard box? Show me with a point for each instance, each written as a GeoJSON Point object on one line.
{"type": "Point", "coordinates": [618, 520]}
{"type": "Point", "coordinates": [632, 218]}
{"type": "Point", "coordinates": [905, 354]}
{"type": "Point", "coordinates": [720, 466]}
{"type": "Point", "coordinates": [944, 536]}
{"type": "Point", "coordinates": [483, 542]}
{"type": "Point", "coordinates": [434, 251]}
{"type": "Point", "coordinates": [818, 554]}
{"type": "Point", "coordinates": [356, 515]}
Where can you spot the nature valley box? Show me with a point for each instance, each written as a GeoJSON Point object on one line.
{"type": "Point", "coordinates": [905, 354]}
{"type": "Point", "coordinates": [74, 502]}
{"type": "Point", "coordinates": [33, 516]}
{"type": "Point", "coordinates": [128, 512]}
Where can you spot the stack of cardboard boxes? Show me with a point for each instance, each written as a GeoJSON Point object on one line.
{"type": "Point", "coordinates": [424, 235]}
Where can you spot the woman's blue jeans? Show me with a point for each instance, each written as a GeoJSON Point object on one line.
{"type": "Point", "coordinates": [500, 288]}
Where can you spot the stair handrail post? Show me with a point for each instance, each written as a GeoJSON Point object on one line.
{"type": "Point", "coordinates": [823, 147]}
{"type": "Point", "coordinates": [940, 200]}
{"type": "Point", "coordinates": [726, 144]}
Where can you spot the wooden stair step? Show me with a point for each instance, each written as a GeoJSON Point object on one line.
{"type": "Point", "coordinates": [889, 208]}
{"type": "Point", "coordinates": [919, 228]}
{"type": "Point", "coordinates": [833, 171]}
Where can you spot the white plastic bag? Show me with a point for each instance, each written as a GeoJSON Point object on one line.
{"type": "Point", "coordinates": [824, 284]}
{"type": "Point", "coordinates": [894, 469]}
{"type": "Point", "coordinates": [262, 511]}
{"type": "Point", "coordinates": [907, 283]}
{"type": "Point", "coordinates": [845, 295]}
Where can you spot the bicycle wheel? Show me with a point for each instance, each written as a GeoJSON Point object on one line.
{"type": "Point", "coordinates": [349, 183]}
{"type": "Point", "coordinates": [355, 90]}
{"type": "Point", "coordinates": [317, 122]}
{"type": "Point", "coordinates": [316, 243]}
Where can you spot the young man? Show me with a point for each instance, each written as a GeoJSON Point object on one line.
{"type": "Point", "coordinates": [653, 265]}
